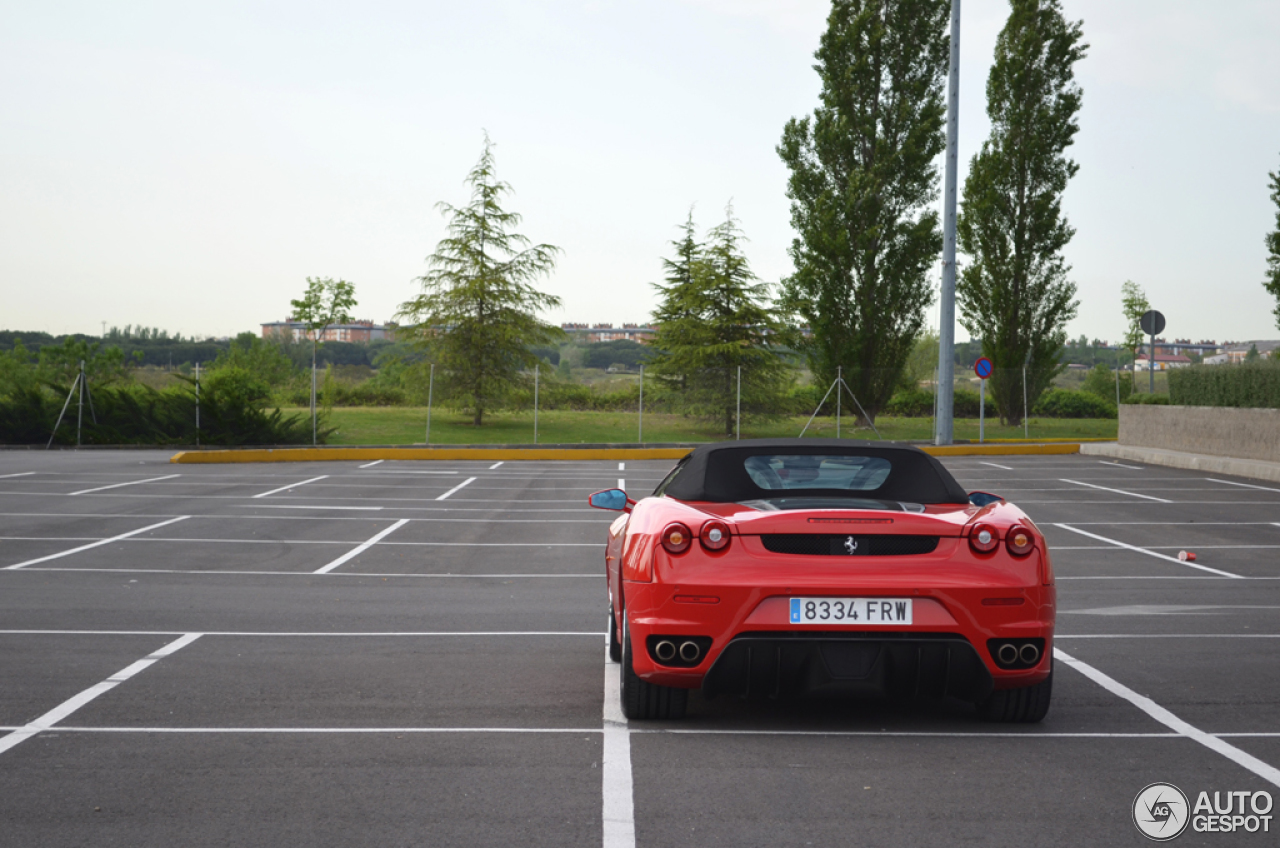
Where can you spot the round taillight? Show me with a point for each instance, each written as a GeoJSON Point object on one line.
{"type": "Point", "coordinates": [1019, 540]}
{"type": "Point", "coordinates": [714, 535]}
{"type": "Point", "coordinates": [984, 539]}
{"type": "Point", "coordinates": [676, 538]}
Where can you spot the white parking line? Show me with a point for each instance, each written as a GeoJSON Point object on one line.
{"type": "Point", "coordinates": [364, 546]}
{"type": "Point", "coordinates": [292, 486]}
{"type": "Point", "coordinates": [1117, 491]}
{"type": "Point", "coordinates": [1121, 465]}
{"type": "Point", "coordinates": [592, 575]}
{"type": "Point", "coordinates": [293, 506]}
{"type": "Point", "coordinates": [68, 707]}
{"type": "Point", "coordinates": [130, 483]}
{"type": "Point", "coordinates": [1149, 552]}
{"type": "Point", "coordinates": [495, 465]}
{"type": "Point", "coordinates": [371, 464]}
{"type": "Point", "coordinates": [618, 810]}
{"type": "Point", "coordinates": [1167, 636]}
{"type": "Point", "coordinates": [456, 488]}
{"type": "Point", "coordinates": [19, 474]}
{"type": "Point", "coordinates": [1171, 721]}
{"type": "Point", "coordinates": [622, 484]}
{"type": "Point", "coordinates": [994, 465]}
{"type": "Point", "coordinates": [60, 554]}
{"type": "Point", "coordinates": [622, 466]}
{"type": "Point", "coordinates": [1242, 485]}
{"type": "Point", "coordinates": [326, 634]}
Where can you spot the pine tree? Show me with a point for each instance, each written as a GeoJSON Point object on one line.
{"type": "Point", "coordinates": [713, 320]}
{"type": "Point", "coordinates": [1272, 283]}
{"type": "Point", "coordinates": [477, 310]}
{"type": "Point", "coordinates": [1015, 294]}
{"type": "Point", "coordinates": [862, 187]}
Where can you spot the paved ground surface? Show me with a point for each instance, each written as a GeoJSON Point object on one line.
{"type": "Point", "coordinates": [366, 654]}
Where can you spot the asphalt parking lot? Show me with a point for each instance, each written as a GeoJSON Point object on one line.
{"type": "Point", "coordinates": [412, 653]}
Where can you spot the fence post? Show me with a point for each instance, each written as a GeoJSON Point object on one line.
{"type": "Point", "coordinates": [737, 415]}
{"type": "Point", "coordinates": [431, 385]}
{"type": "Point", "coordinates": [80, 404]}
{"type": "Point", "coordinates": [1026, 428]}
{"type": "Point", "coordinates": [640, 428]}
{"type": "Point", "coordinates": [839, 383]}
{"type": "Point", "coordinates": [536, 369]}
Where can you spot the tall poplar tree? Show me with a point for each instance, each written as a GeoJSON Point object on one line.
{"type": "Point", "coordinates": [477, 310]}
{"type": "Point", "coordinates": [1015, 294]}
{"type": "Point", "coordinates": [1272, 283]}
{"type": "Point", "coordinates": [1133, 300]}
{"type": "Point", "coordinates": [862, 187]}
{"type": "Point", "coordinates": [714, 319]}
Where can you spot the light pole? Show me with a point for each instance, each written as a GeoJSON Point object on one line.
{"type": "Point", "coordinates": [944, 423]}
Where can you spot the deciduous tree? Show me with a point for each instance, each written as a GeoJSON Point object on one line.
{"type": "Point", "coordinates": [478, 308]}
{"type": "Point", "coordinates": [324, 304]}
{"type": "Point", "coordinates": [1015, 294]}
{"type": "Point", "coordinates": [1133, 301]}
{"type": "Point", "coordinates": [862, 187]}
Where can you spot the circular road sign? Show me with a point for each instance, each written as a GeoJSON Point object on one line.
{"type": "Point", "coordinates": [983, 367]}
{"type": "Point", "coordinates": [1152, 323]}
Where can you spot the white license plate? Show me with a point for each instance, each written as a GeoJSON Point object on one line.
{"type": "Point", "coordinates": [851, 611]}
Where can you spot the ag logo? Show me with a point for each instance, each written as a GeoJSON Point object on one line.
{"type": "Point", "coordinates": [1161, 812]}
{"type": "Point", "coordinates": [850, 545]}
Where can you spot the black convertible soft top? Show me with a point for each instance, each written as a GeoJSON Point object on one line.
{"type": "Point", "coordinates": [717, 473]}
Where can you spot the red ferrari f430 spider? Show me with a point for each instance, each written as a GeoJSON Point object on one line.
{"type": "Point", "coordinates": [774, 567]}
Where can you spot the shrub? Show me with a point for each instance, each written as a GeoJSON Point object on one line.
{"type": "Point", "coordinates": [1064, 403]}
{"type": "Point", "coordinates": [1249, 385]}
{"type": "Point", "coordinates": [1149, 399]}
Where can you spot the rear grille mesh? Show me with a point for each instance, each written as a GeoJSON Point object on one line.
{"type": "Point", "coordinates": [829, 544]}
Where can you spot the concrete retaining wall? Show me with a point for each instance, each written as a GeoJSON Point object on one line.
{"type": "Point", "coordinates": [1213, 430]}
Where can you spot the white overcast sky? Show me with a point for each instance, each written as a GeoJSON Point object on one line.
{"type": "Point", "coordinates": [187, 165]}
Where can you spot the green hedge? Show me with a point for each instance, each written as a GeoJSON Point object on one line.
{"type": "Point", "coordinates": [1065, 403]}
{"type": "Point", "coordinates": [137, 415]}
{"type": "Point", "coordinates": [1246, 385]}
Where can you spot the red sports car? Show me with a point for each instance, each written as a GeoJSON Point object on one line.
{"type": "Point", "coordinates": [783, 566]}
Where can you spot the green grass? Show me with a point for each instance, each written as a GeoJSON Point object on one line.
{"type": "Point", "coordinates": [407, 425]}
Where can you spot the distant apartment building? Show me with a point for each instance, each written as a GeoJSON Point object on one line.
{"type": "Point", "coordinates": [356, 331]}
{"type": "Point", "coordinates": [1233, 353]}
{"type": "Point", "coordinates": [641, 333]}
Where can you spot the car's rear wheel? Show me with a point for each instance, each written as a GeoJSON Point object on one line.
{"type": "Point", "coordinates": [1019, 706]}
{"type": "Point", "coordinates": [641, 699]}
{"type": "Point", "coordinates": [615, 646]}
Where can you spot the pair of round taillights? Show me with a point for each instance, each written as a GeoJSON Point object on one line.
{"type": "Point", "coordinates": [677, 537]}
{"type": "Point", "coordinates": [984, 539]}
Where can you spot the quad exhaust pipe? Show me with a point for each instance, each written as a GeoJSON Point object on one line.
{"type": "Point", "coordinates": [678, 650]}
{"type": "Point", "coordinates": [1017, 654]}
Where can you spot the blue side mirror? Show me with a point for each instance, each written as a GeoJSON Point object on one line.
{"type": "Point", "coordinates": [983, 498]}
{"type": "Point", "coordinates": [614, 499]}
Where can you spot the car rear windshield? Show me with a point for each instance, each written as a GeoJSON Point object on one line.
{"type": "Point", "coordinates": [780, 472]}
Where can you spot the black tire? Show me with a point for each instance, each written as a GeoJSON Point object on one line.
{"type": "Point", "coordinates": [644, 700]}
{"type": "Point", "coordinates": [615, 646]}
{"type": "Point", "coordinates": [1019, 706]}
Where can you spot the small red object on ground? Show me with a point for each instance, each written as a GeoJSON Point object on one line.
{"type": "Point", "coordinates": [1186, 556]}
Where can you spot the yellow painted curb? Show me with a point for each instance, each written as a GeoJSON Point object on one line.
{"type": "Point", "coordinates": [369, 454]}
{"type": "Point", "coordinates": [1000, 450]}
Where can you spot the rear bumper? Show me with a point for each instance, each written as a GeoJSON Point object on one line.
{"type": "Point", "coordinates": [950, 641]}
{"type": "Point", "coordinates": [902, 666]}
